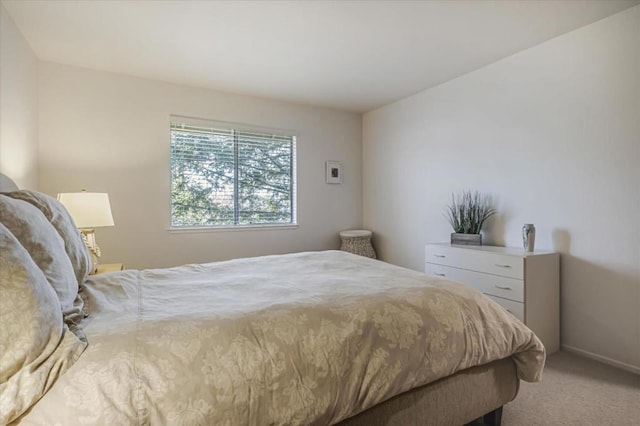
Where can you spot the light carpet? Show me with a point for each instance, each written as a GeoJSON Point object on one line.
{"type": "Point", "coordinates": [576, 391]}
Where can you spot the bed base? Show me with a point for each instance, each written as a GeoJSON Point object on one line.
{"type": "Point", "coordinates": [470, 397]}
{"type": "Point", "coordinates": [493, 418]}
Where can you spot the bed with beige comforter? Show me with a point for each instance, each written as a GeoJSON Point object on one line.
{"type": "Point", "coordinates": [297, 339]}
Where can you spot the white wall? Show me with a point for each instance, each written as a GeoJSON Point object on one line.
{"type": "Point", "coordinates": [18, 105]}
{"type": "Point", "coordinates": [106, 132]}
{"type": "Point", "coordinates": [553, 133]}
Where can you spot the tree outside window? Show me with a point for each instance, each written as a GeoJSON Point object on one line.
{"type": "Point", "coordinates": [230, 177]}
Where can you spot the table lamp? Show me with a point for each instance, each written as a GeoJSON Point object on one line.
{"type": "Point", "coordinates": [89, 210]}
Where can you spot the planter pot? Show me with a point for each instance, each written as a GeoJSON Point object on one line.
{"type": "Point", "coordinates": [466, 239]}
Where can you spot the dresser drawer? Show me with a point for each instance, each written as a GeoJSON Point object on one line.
{"type": "Point", "coordinates": [476, 260]}
{"type": "Point", "coordinates": [507, 288]}
{"type": "Point", "coordinates": [499, 273]}
{"type": "Point", "coordinates": [515, 308]}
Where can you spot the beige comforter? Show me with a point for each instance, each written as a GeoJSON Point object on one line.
{"type": "Point", "coordinates": [307, 338]}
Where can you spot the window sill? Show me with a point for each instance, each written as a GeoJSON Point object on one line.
{"type": "Point", "coordinates": [199, 229]}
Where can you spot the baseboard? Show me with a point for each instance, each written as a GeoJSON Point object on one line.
{"type": "Point", "coordinates": [602, 359]}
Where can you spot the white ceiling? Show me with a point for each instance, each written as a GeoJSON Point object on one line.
{"type": "Point", "coordinates": [353, 55]}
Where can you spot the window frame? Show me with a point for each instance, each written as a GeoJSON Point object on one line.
{"type": "Point", "coordinates": [236, 128]}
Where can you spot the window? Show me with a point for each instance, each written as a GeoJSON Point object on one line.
{"type": "Point", "coordinates": [222, 176]}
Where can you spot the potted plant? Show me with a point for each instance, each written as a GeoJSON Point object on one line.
{"type": "Point", "coordinates": [467, 213]}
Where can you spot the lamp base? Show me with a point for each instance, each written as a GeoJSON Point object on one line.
{"type": "Point", "coordinates": [89, 237]}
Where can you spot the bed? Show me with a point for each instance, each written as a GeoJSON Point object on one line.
{"type": "Point", "coordinates": [304, 338]}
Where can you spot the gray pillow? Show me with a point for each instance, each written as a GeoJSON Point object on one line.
{"type": "Point", "coordinates": [60, 218]}
{"type": "Point", "coordinates": [46, 247]}
{"type": "Point", "coordinates": [36, 347]}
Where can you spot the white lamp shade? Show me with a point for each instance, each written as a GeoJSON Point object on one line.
{"type": "Point", "coordinates": [88, 209]}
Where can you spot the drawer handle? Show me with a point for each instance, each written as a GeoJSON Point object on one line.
{"type": "Point", "coordinates": [440, 255]}
{"type": "Point", "coordinates": [440, 275]}
{"type": "Point", "coordinates": [503, 266]}
{"type": "Point", "coordinates": [502, 287]}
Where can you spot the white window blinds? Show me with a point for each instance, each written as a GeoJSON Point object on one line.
{"type": "Point", "coordinates": [231, 177]}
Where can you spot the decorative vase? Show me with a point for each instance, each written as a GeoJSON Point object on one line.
{"type": "Point", "coordinates": [466, 239]}
{"type": "Point", "coordinates": [528, 236]}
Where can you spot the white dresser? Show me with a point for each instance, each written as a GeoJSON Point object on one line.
{"type": "Point", "coordinates": [525, 284]}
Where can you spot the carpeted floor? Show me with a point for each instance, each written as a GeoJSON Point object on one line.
{"type": "Point", "coordinates": [577, 391]}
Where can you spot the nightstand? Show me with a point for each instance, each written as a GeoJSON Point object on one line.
{"type": "Point", "coordinates": [109, 267]}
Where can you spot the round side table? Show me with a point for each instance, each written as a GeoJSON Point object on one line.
{"type": "Point", "coordinates": [357, 241]}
